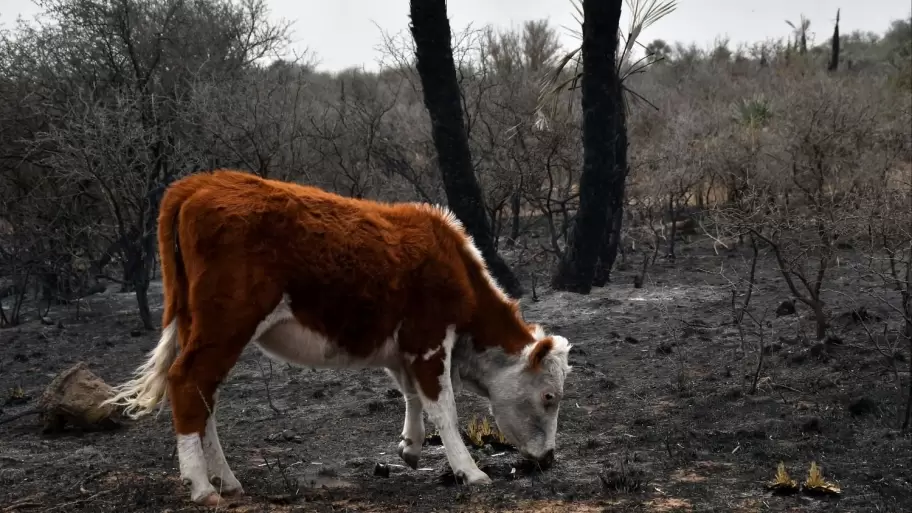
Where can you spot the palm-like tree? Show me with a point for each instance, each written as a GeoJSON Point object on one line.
{"type": "Point", "coordinates": [606, 65]}
{"type": "Point", "coordinates": [801, 31]}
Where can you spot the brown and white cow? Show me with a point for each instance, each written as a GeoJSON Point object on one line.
{"type": "Point", "coordinates": [317, 279]}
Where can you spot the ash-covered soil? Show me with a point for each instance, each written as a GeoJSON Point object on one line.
{"type": "Point", "coordinates": [658, 414]}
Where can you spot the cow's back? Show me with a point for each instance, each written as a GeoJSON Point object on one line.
{"type": "Point", "coordinates": [354, 270]}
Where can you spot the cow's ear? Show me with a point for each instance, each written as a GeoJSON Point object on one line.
{"type": "Point", "coordinates": [539, 352]}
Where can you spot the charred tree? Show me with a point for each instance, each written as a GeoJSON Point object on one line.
{"type": "Point", "coordinates": [602, 174]}
{"type": "Point", "coordinates": [437, 70]}
{"type": "Point", "coordinates": [608, 249]}
{"type": "Point", "coordinates": [515, 208]}
{"type": "Point", "coordinates": [834, 54]}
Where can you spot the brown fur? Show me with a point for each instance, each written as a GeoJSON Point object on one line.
{"type": "Point", "coordinates": [539, 352]}
{"type": "Point", "coordinates": [353, 270]}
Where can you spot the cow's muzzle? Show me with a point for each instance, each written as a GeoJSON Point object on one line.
{"type": "Point", "coordinates": [544, 461]}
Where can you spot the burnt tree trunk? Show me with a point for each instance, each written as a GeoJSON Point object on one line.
{"type": "Point", "coordinates": [834, 54]}
{"type": "Point", "coordinates": [434, 62]}
{"type": "Point", "coordinates": [673, 208]}
{"type": "Point", "coordinates": [142, 277]}
{"type": "Point", "coordinates": [515, 205]}
{"type": "Point", "coordinates": [145, 244]}
{"type": "Point", "coordinates": [608, 249]}
{"type": "Point", "coordinates": [601, 171]}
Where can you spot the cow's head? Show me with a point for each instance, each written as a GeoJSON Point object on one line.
{"type": "Point", "coordinates": [525, 395]}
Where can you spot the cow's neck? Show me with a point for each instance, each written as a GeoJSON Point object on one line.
{"type": "Point", "coordinates": [477, 370]}
{"type": "Point", "coordinates": [496, 323]}
{"type": "Point", "coordinates": [493, 340]}
{"type": "Point", "coordinates": [474, 370]}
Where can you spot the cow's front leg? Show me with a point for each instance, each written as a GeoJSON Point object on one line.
{"type": "Point", "coordinates": [413, 428]}
{"type": "Point", "coordinates": [435, 388]}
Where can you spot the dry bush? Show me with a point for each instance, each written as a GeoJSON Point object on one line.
{"type": "Point", "coordinates": [884, 235]}
{"type": "Point", "coordinates": [97, 118]}
{"type": "Point", "coordinates": [257, 121]}
{"type": "Point", "coordinates": [102, 121]}
{"type": "Point", "coordinates": [806, 200]}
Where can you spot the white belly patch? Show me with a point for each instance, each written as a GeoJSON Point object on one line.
{"type": "Point", "coordinates": [283, 338]}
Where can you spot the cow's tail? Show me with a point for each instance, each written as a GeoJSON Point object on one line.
{"type": "Point", "coordinates": [139, 396]}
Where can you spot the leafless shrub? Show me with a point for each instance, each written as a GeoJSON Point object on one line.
{"type": "Point", "coordinates": [258, 120]}
{"type": "Point", "coordinates": [750, 326]}
{"type": "Point", "coordinates": [806, 202]}
{"type": "Point", "coordinates": [885, 234]}
{"type": "Point", "coordinates": [97, 117]}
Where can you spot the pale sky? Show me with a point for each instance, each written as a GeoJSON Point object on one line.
{"type": "Point", "coordinates": [345, 33]}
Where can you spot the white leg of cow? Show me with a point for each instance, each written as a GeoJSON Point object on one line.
{"type": "Point", "coordinates": [442, 413]}
{"type": "Point", "coordinates": [220, 473]}
{"type": "Point", "coordinates": [193, 472]}
{"type": "Point", "coordinates": [412, 437]}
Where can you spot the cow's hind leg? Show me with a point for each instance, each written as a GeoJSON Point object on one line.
{"type": "Point", "coordinates": [220, 473]}
{"type": "Point", "coordinates": [214, 346]}
{"type": "Point", "coordinates": [413, 432]}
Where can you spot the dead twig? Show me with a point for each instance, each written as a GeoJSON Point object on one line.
{"type": "Point", "coordinates": [786, 387]}
{"type": "Point", "coordinates": [79, 501]}
{"type": "Point", "coordinates": [266, 380]}
{"type": "Point", "coordinates": [34, 411]}
{"type": "Point", "coordinates": [27, 503]}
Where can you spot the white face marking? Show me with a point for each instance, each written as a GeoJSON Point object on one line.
{"type": "Point", "coordinates": [283, 338]}
{"type": "Point", "coordinates": [442, 413]}
{"type": "Point", "coordinates": [517, 393]}
{"type": "Point", "coordinates": [517, 398]}
{"type": "Point", "coordinates": [192, 460]}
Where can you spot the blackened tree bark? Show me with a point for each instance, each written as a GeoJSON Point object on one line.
{"type": "Point", "coordinates": [436, 67]}
{"type": "Point", "coordinates": [608, 249]}
{"type": "Point", "coordinates": [601, 171]}
{"type": "Point", "coordinates": [515, 205]}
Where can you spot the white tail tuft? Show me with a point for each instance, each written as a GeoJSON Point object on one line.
{"type": "Point", "coordinates": [141, 395]}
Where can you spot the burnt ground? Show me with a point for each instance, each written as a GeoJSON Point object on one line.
{"type": "Point", "coordinates": [658, 404]}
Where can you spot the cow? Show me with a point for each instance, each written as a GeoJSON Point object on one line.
{"type": "Point", "coordinates": [320, 280]}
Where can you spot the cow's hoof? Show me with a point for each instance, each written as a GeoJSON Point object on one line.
{"type": "Point", "coordinates": [233, 492]}
{"type": "Point", "coordinates": [410, 458]}
{"type": "Point", "coordinates": [227, 487]}
{"type": "Point", "coordinates": [213, 499]}
{"type": "Point", "coordinates": [202, 492]}
{"type": "Point", "coordinates": [474, 477]}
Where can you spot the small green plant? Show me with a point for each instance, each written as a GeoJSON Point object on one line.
{"type": "Point", "coordinates": [783, 483]}
{"type": "Point", "coordinates": [815, 484]}
{"type": "Point", "coordinates": [16, 396]}
{"type": "Point", "coordinates": [753, 113]}
{"type": "Point", "coordinates": [483, 432]}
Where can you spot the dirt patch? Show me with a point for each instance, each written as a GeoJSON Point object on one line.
{"type": "Point", "coordinates": [687, 476]}
{"type": "Point", "coordinates": [668, 505]}
{"type": "Point", "coordinates": [681, 417]}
